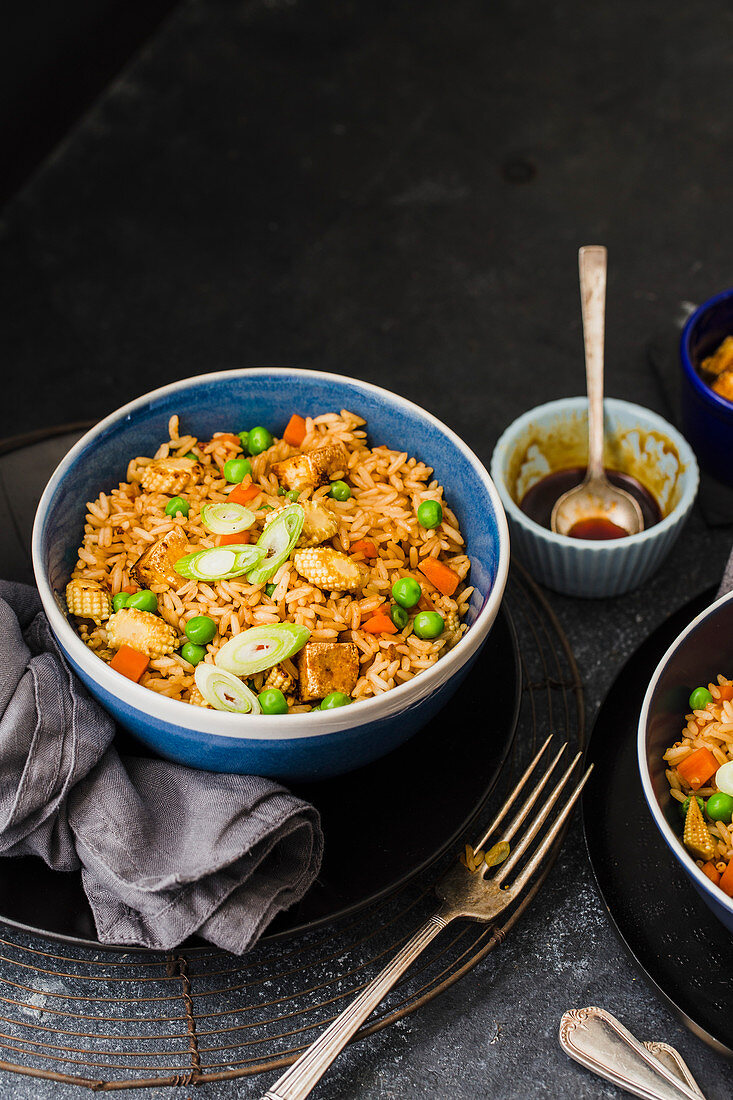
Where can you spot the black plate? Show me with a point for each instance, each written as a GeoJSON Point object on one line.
{"type": "Point", "coordinates": [383, 823]}
{"type": "Point", "coordinates": [684, 951]}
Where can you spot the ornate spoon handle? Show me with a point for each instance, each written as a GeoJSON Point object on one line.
{"type": "Point", "coordinates": [599, 1042]}
{"type": "Point", "coordinates": [300, 1078]}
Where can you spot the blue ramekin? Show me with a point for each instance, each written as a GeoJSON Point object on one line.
{"type": "Point", "coordinates": [707, 418]}
{"type": "Point", "coordinates": [292, 747]}
{"type": "Point", "coordinates": [696, 656]}
{"type": "Point", "coordinates": [581, 567]}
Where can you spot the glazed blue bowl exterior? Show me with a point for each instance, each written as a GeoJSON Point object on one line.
{"type": "Point", "coordinates": [308, 746]}
{"type": "Point", "coordinates": [707, 418]}
{"type": "Point", "coordinates": [697, 655]}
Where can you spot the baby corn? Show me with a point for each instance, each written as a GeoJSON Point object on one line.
{"type": "Point", "coordinates": [279, 677]}
{"type": "Point", "coordinates": [696, 837]}
{"type": "Point", "coordinates": [170, 475]}
{"type": "Point", "coordinates": [329, 569]}
{"type": "Point", "coordinates": [88, 600]}
{"type": "Point", "coordinates": [141, 630]}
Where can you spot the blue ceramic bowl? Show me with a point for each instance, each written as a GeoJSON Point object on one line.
{"type": "Point", "coordinates": [293, 747]}
{"type": "Point", "coordinates": [701, 651]}
{"type": "Point", "coordinates": [707, 419]}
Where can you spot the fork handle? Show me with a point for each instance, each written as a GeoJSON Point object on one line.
{"type": "Point", "coordinates": [303, 1075]}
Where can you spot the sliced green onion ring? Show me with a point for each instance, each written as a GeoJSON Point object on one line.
{"type": "Point", "coordinates": [226, 519]}
{"type": "Point", "coordinates": [277, 542]}
{"type": "Point", "coordinates": [220, 563]}
{"type": "Point", "coordinates": [261, 647]}
{"type": "Point", "coordinates": [223, 691]}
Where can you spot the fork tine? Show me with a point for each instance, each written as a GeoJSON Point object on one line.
{"type": "Point", "coordinates": [549, 839]}
{"type": "Point", "coordinates": [529, 802]}
{"type": "Point", "coordinates": [511, 797]}
{"type": "Point", "coordinates": [537, 823]}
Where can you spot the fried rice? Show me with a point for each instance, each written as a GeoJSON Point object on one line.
{"type": "Point", "coordinates": [387, 487]}
{"type": "Point", "coordinates": [710, 728]}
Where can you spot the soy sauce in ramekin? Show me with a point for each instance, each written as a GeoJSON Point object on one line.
{"type": "Point", "coordinates": [539, 500]}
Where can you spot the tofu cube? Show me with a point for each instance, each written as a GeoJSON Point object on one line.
{"type": "Point", "coordinates": [324, 667]}
{"type": "Point", "coordinates": [312, 468]}
{"type": "Point", "coordinates": [155, 565]}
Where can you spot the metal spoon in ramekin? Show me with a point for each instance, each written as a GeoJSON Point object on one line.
{"type": "Point", "coordinates": [596, 497]}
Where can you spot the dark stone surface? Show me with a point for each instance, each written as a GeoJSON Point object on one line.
{"type": "Point", "coordinates": [398, 192]}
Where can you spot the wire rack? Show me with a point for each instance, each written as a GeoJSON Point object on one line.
{"type": "Point", "coordinates": [109, 1021]}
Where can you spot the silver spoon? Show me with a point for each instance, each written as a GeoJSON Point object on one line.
{"type": "Point", "coordinates": [596, 497]}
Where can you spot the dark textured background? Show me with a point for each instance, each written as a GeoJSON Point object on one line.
{"type": "Point", "coordinates": [398, 191]}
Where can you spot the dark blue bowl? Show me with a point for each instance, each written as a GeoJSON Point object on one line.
{"type": "Point", "coordinates": [697, 655]}
{"type": "Point", "coordinates": [293, 747]}
{"type": "Point", "coordinates": [707, 419]}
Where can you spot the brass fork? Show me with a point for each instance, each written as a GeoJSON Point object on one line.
{"type": "Point", "coordinates": [464, 891]}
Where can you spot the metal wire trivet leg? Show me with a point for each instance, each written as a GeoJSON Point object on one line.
{"type": "Point", "coordinates": [108, 1022]}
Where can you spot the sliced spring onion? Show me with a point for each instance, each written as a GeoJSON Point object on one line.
{"type": "Point", "coordinates": [261, 647]}
{"type": "Point", "coordinates": [724, 778]}
{"type": "Point", "coordinates": [277, 542]}
{"type": "Point", "coordinates": [219, 563]}
{"type": "Point", "coordinates": [225, 692]}
{"type": "Point", "coordinates": [226, 519]}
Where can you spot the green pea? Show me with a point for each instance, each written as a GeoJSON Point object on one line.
{"type": "Point", "coordinates": [339, 490]}
{"type": "Point", "coordinates": [335, 699]}
{"type": "Point", "coordinates": [399, 616]}
{"type": "Point", "coordinates": [428, 624]}
{"type": "Point", "coordinates": [273, 701]}
{"type": "Point", "coordinates": [236, 469]}
{"type": "Point", "coordinates": [259, 440]}
{"type": "Point", "coordinates": [700, 699]}
{"type": "Point", "coordinates": [200, 629]}
{"type": "Point", "coordinates": [293, 495]}
{"type": "Point", "coordinates": [192, 456]}
{"type": "Point", "coordinates": [243, 439]}
{"type": "Point", "coordinates": [270, 589]}
{"type": "Point", "coordinates": [684, 806]}
{"type": "Point", "coordinates": [144, 600]}
{"type": "Point", "coordinates": [193, 653]}
{"type": "Point", "coordinates": [430, 514]}
{"type": "Point", "coordinates": [719, 807]}
{"type": "Point", "coordinates": [406, 591]}
{"type": "Point", "coordinates": [120, 600]}
{"type": "Point", "coordinates": [176, 506]}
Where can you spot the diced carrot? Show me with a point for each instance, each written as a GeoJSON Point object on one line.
{"type": "Point", "coordinates": [380, 623]}
{"type": "Point", "coordinates": [131, 589]}
{"type": "Point", "coordinates": [240, 494]}
{"type": "Point", "coordinates": [711, 871]}
{"type": "Point", "coordinates": [726, 692]}
{"type": "Point", "coordinates": [726, 880]}
{"type": "Point", "coordinates": [697, 768]}
{"type": "Point", "coordinates": [365, 547]}
{"type": "Point", "coordinates": [440, 575]}
{"type": "Point", "coordinates": [239, 537]}
{"type": "Point", "coordinates": [294, 434]}
{"type": "Point", "coordinates": [130, 662]}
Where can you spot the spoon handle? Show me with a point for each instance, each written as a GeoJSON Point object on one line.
{"type": "Point", "coordinates": [592, 267]}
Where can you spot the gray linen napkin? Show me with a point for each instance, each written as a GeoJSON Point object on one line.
{"type": "Point", "coordinates": [165, 850]}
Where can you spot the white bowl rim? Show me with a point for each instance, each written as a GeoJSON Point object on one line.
{"type": "Point", "coordinates": [270, 727]}
{"type": "Point", "coordinates": [663, 825]}
{"type": "Point", "coordinates": [691, 476]}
